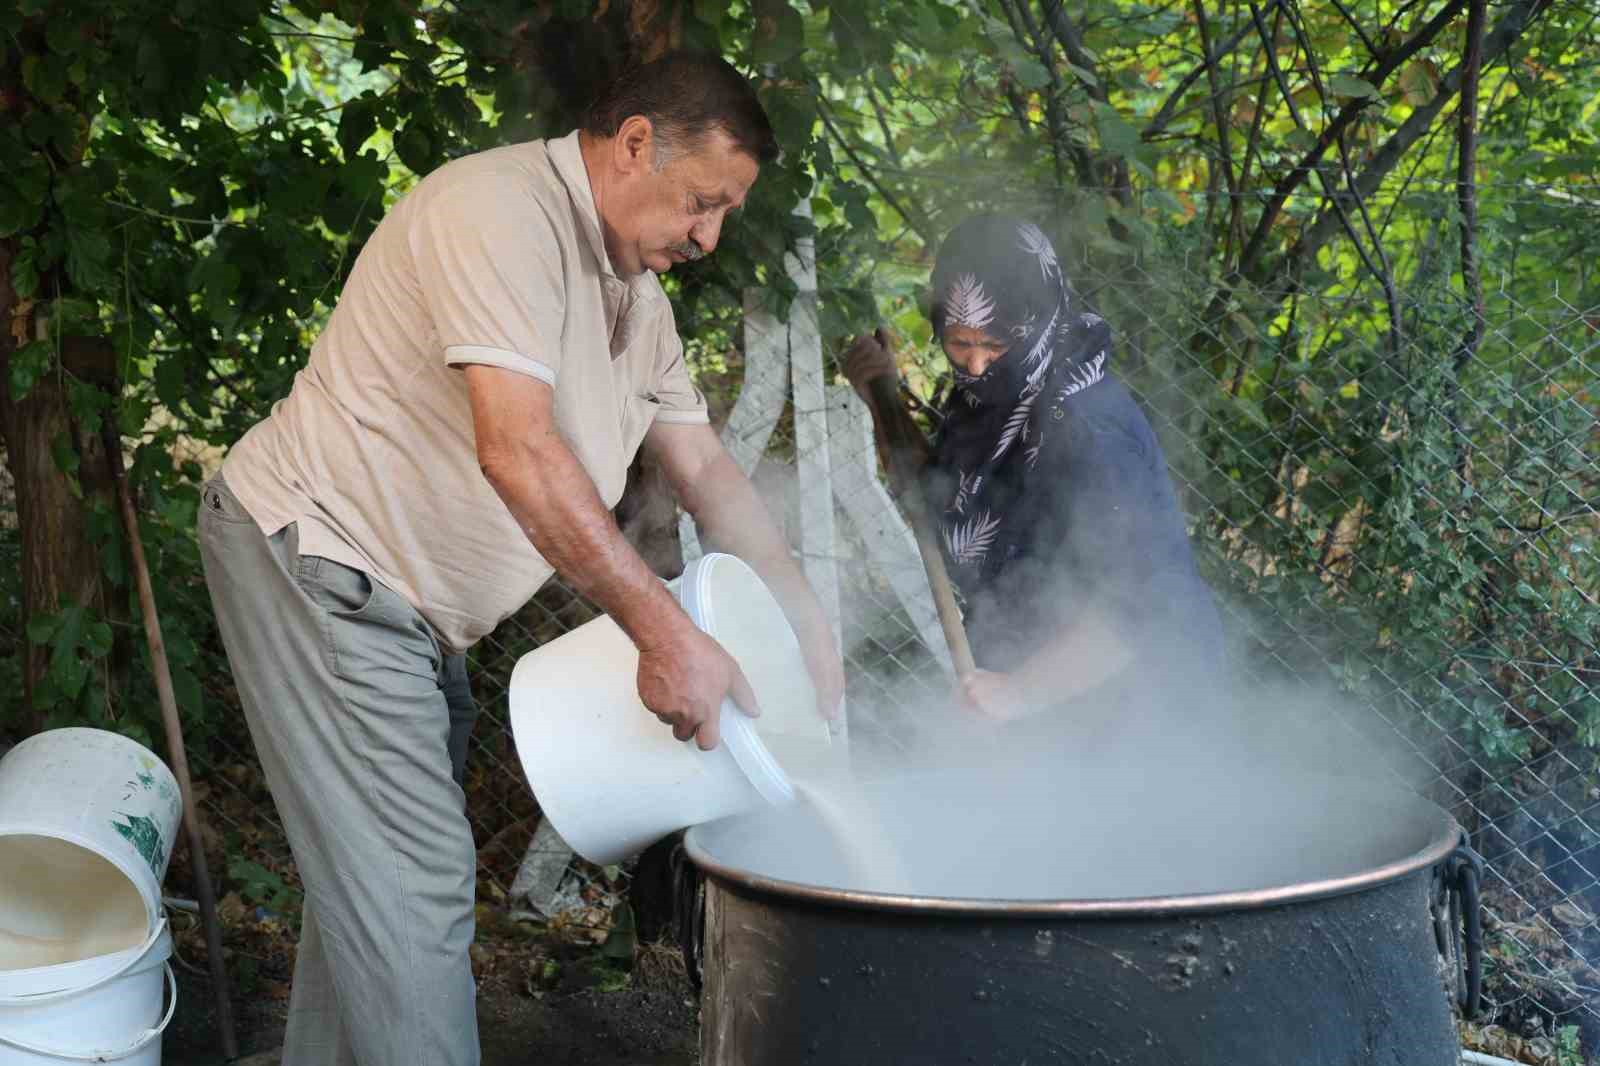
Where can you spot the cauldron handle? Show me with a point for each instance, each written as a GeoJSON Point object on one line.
{"type": "Point", "coordinates": [1458, 923]}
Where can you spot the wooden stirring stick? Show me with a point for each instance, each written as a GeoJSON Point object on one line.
{"type": "Point", "coordinates": [901, 442]}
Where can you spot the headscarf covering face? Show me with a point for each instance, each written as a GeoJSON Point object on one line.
{"type": "Point", "coordinates": [1000, 274]}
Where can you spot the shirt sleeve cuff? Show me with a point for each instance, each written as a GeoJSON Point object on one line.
{"type": "Point", "coordinates": [478, 354]}
{"type": "Point", "coordinates": [693, 416]}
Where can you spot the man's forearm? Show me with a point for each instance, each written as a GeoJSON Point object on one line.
{"type": "Point", "coordinates": [555, 503]}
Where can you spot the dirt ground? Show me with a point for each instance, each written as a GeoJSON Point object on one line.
{"type": "Point", "coordinates": [627, 1028]}
{"type": "Point", "coordinates": [540, 1005]}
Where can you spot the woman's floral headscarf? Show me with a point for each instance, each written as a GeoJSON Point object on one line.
{"type": "Point", "coordinates": [1000, 274]}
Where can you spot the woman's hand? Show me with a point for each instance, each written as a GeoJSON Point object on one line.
{"type": "Point", "coordinates": [869, 357]}
{"type": "Point", "coordinates": [996, 697]}
{"type": "Point", "coordinates": [821, 653]}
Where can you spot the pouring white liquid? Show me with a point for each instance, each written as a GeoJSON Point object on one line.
{"type": "Point", "coordinates": [869, 853]}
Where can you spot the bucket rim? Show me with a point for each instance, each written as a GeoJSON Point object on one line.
{"type": "Point", "coordinates": [753, 758]}
{"type": "Point", "coordinates": [86, 972]}
{"type": "Point", "coordinates": [68, 733]}
{"type": "Point", "coordinates": [750, 753]}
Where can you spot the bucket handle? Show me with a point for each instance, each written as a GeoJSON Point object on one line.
{"type": "Point", "coordinates": [134, 959]}
{"type": "Point", "coordinates": [139, 1044]}
{"type": "Point", "coordinates": [1458, 923]}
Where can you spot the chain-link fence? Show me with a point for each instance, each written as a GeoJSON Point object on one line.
{"type": "Point", "coordinates": [1383, 503]}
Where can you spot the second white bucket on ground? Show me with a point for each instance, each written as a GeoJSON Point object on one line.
{"type": "Point", "coordinates": [87, 823]}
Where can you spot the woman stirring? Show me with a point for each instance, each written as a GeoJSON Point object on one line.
{"type": "Point", "coordinates": [1057, 519]}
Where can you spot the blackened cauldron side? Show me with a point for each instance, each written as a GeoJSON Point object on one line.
{"type": "Point", "coordinates": [1337, 972]}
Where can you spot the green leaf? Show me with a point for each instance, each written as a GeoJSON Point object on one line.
{"type": "Point", "coordinates": [793, 114]}
{"type": "Point", "coordinates": [25, 269]}
{"type": "Point", "coordinates": [86, 401]}
{"type": "Point", "coordinates": [1085, 76]}
{"type": "Point", "coordinates": [150, 65]}
{"type": "Point", "coordinates": [63, 36]}
{"type": "Point", "coordinates": [357, 122]}
{"type": "Point", "coordinates": [1117, 135]}
{"type": "Point", "coordinates": [42, 627]}
{"type": "Point", "coordinates": [45, 77]}
{"type": "Point", "coordinates": [1418, 82]}
{"type": "Point", "coordinates": [1252, 410]}
{"type": "Point", "coordinates": [97, 639]}
{"type": "Point", "coordinates": [65, 454]}
{"type": "Point", "coordinates": [186, 690]}
{"type": "Point", "coordinates": [73, 314]}
{"type": "Point", "coordinates": [780, 33]}
{"type": "Point", "coordinates": [28, 365]}
{"type": "Point", "coordinates": [1350, 85]}
{"type": "Point", "coordinates": [67, 670]}
{"type": "Point", "coordinates": [17, 211]}
{"type": "Point", "coordinates": [414, 145]}
{"type": "Point", "coordinates": [89, 258]}
{"type": "Point", "coordinates": [1030, 74]}
{"type": "Point", "coordinates": [847, 28]}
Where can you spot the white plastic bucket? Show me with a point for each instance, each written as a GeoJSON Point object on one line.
{"type": "Point", "coordinates": [609, 776]}
{"type": "Point", "coordinates": [87, 822]}
{"type": "Point", "coordinates": [109, 1011]}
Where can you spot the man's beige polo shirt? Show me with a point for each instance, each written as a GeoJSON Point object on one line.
{"type": "Point", "coordinates": [495, 258]}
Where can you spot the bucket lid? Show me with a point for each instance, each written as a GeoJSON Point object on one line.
{"type": "Point", "coordinates": [752, 756]}
{"type": "Point", "coordinates": [80, 973]}
{"type": "Point", "coordinates": [726, 598]}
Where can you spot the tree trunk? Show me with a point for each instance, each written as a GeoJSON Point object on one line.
{"type": "Point", "coordinates": [60, 564]}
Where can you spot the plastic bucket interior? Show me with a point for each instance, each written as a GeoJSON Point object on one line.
{"type": "Point", "coordinates": [609, 776]}
{"type": "Point", "coordinates": [113, 1015]}
{"type": "Point", "coordinates": [61, 904]}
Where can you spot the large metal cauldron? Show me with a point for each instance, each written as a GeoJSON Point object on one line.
{"type": "Point", "coordinates": [1325, 954]}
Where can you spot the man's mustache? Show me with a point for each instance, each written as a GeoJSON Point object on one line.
{"type": "Point", "coordinates": [689, 250]}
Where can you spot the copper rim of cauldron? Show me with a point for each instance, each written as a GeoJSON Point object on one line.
{"type": "Point", "coordinates": [1447, 836]}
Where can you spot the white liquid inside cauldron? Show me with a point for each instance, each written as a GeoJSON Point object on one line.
{"type": "Point", "coordinates": [1085, 835]}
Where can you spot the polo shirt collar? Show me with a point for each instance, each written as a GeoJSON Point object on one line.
{"type": "Point", "coordinates": [567, 157]}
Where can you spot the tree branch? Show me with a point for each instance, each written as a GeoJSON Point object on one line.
{"type": "Point", "coordinates": [1346, 116]}
{"type": "Point", "coordinates": [1380, 269]}
{"type": "Point", "coordinates": [1072, 44]}
{"type": "Point", "coordinates": [883, 123]}
{"type": "Point", "coordinates": [1372, 48]}
{"type": "Point", "coordinates": [1251, 149]}
{"type": "Point", "coordinates": [1515, 22]}
{"type": "Point", "coordinates": [1169, 106]}
{"type": "Point", "coordinates": [1466, 181]}
{"type": "Point", "coordinates": [1218, 113]}
{"type": "Point", "coordinates": [1313, 237]}
{"type": "Point", "coordinates": [1467, 198]}
{"type": "Point", "coordinates": [918, 224]}
{"type": "Point", "coordinates": [1270, 42]}
{"type": "Point", "coordinates": [1027, 34]}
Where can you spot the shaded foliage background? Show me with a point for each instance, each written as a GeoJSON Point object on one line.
{"type": "Point", "coordinates": [1344, 246]}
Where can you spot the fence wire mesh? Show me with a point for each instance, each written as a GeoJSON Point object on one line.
{"type": "Point", "coordinates": [1381, 507]}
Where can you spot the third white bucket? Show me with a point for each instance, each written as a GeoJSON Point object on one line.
{"type": "Point", "coordinates": [609, 776]}
{"type": "Point", "coordinates": [87, 821]}
{"type": "Point", "coordinates": [108, 1009]}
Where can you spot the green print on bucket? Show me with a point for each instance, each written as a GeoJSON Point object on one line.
{"type": "Point", "coordinates": [145, 837]}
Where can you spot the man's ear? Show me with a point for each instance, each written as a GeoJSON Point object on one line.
{"type": "Point", "coordinates": [633, 147]}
